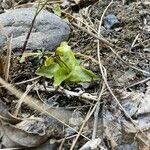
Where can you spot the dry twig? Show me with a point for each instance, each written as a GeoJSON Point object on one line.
{"type": "Point", "coordinates": [96, 116]}
{"type": "Point", "coordinates": [18, 106]}
{"type": "Point", "coordinates": [81, 94]}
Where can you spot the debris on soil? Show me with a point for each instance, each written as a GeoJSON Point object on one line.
{"type": "Point", "coordinates": [110, 113]}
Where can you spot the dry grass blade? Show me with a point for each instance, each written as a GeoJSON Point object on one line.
{"type": "Point", "coordinates": [61, 145]}
{"type": "Point", "coordinates": [25, 81]}
{"type": "Point", "coordinates": [96, 116]}
{"type": "Point", "coordinates": [2, 66]}
{"type": "Point", "coordinates": [95, 36]}
{"type": "Point", "coordinates": [8, 58]}
{"type": "Point", "coordinates": [139, 82]}
{"type": "Point", "coordinates": [22, 99]}
{"type": "Point", "coordinates": [81, 94]}
{"type": "Point", "coordinates": [2, 74]}
{"type": "Point", "coordinates": [10, 148]}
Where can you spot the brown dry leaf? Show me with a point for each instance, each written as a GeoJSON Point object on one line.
{"type": "Point", "coordinates": [144, 147]}
{"type": "Point", "coordinates": [5, 115]}
{"type": "Point", "coordinates": [14, 136]}
{"type": "Point", "coordinates": [137, 104]}
{"type": "Point", "coordinates": [144, 126]}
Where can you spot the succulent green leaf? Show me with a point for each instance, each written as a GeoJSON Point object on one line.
{"type": "Point", "coordinates": [60, 75]}
{"type": "Point", "coordinates": [80, 74]}
{"type": "Point", "coordinates": [48, 69]}
{"type": "Point", "coordinates": [57, 9]}
{"type": "Point", "coordinates": [66, 55]}
{"type": "Point", "coordinates": [49, 61]}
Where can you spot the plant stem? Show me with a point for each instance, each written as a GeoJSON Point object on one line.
{"type": "Point", "coordinates": [33, 21]}
{"type": "Point", "coordinates": [28, 35]}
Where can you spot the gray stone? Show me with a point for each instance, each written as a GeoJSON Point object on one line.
{"type": "Point", "coordinates": [132, 146]}
{"type": "Point", "coordinates": [110, 21]}
{"type": "Point", "coordinates": [48, 31]}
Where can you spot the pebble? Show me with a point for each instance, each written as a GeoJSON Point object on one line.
{"type": "Point", "coordinates": [111, 21]}
{"type": "Point", "coordinates": [48, 32]}
{"type": "Point", "coordinates": [132, 146]}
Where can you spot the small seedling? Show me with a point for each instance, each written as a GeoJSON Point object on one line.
{"type": "Point", "coordinates": [64, 67]}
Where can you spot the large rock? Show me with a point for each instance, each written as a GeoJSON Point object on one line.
{"type": "Point", "coordinates": [48, 31]}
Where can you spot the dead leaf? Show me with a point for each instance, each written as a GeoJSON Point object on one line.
{"type": "Point", "coordinates": [143, 124]}
{"type": "Point", "coordinates": [16, 137]}
{"type": "Point", "coordinates": [144, 147]}
{"type": "Point", "coordinates": [6, 115]}
{"type": "Point", "coordinates": [124, 79]}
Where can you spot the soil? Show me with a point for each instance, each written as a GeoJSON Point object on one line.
{"type": "Point", "coordinates": [126, 65]}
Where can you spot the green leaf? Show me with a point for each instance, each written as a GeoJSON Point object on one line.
{"type": "Point", "coordinates": [80, 74]}
{"type": "Point", "coordinates": [90, 73]}
{"type": "Point", "coordinates": [66, 55]}
{"type": "Point", "coordinates": [48, 69]}
{"type": "Point", "coordinates": [57, 9]}
{"type": "Point", "coordinates": [60, 75]}
{"type": "Point", "coordinates": [48, 61]}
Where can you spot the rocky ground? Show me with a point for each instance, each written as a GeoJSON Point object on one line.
{"type": "Point", "coordinates": [112, 39]}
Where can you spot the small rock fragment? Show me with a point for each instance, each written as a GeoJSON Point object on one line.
{"type": "Point", "coordinates": [110, 21]}
{"type": "Point", "coordinates": [69, 132]}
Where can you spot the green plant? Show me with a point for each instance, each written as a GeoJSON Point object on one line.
{"type": "Point", "coordinates": [64, 67]}
{"type": "Point", "coordinates": [57, 9]}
